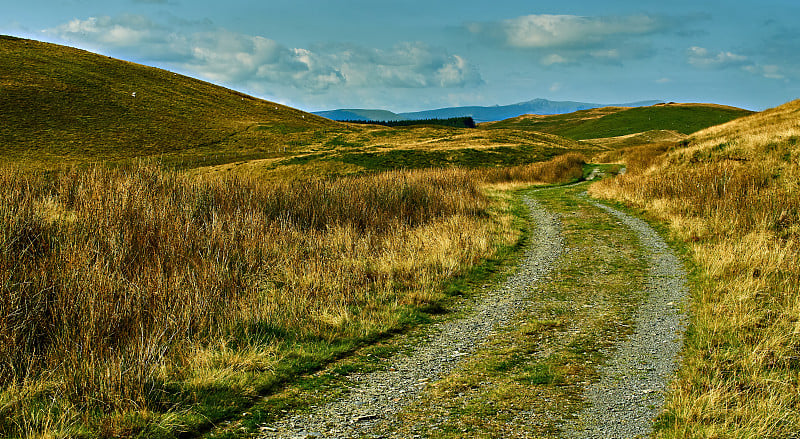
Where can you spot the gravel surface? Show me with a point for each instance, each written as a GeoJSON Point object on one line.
{"type": "Point", "coordinates": [630, 393]}
{"type": "Point", "coordinates": [376, 396]}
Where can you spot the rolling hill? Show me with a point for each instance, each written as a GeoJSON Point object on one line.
{"type": "Point", "coordinates": [622, 121]}
{"type": "Point", "coordinates": [63, 104]}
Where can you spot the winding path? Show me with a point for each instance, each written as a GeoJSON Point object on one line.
{"type": "Point", "coordinates": [380, 394]}
{"type": "Point", "coordinates": [622, 404]}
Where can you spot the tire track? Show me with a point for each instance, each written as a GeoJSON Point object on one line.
{"type": "Point", "coordinates": [376, 396]}
{"type": "Point", "coordinates": [630, 393]}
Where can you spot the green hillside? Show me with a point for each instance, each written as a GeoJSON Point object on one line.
{"type": "Point", "coordinates": [621, 121]}
{"type": "Point", "coordinates": [65, 106]}
{"type": "Point", "coordinates": [61, 104]}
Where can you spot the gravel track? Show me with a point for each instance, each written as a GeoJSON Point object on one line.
{"type": "Point", "coordinates": [376, 396]}
{"type": "Point", "coordinates": [630, 393]}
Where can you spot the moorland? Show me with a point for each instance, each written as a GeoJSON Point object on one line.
{"type": "Point", "coordinates": [172, 251]}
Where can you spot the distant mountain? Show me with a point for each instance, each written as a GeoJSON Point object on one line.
{"type": "Point", "coordinates": [361, 115]}
{"type": "Point", "coordinates": [478, 113]}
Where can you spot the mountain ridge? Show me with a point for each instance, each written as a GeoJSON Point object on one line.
{"type": "Point", "coordinates": [478, 113]}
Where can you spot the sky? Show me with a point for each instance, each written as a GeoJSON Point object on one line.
{"type": "Point", "coordinates": [415, 55]}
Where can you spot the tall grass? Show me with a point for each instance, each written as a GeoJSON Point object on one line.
{"type": "Point", "coordinates": [637, 158]}
{"type": "Point", "coordinates": [732, 194]}
{"type": "Point", "coordinates": [559, 169]}
{"type": "Point", "coordinates": [116, 284]}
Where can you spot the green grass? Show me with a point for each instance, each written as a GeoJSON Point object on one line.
{"type": "Point", "coordinates": [464, 157]}
{"type": "Point", "coordinates": [683, 118]}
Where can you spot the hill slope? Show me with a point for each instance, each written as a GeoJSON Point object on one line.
{"type": "Point", "coordinates": [621, 121]}
{"type": "Point", "coordinates": [62, 105]}
{"type": "Point", "coordinates": [59, 102]}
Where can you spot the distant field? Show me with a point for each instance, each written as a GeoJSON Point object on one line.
{"type": "Point", "coordinates": [619, 121]}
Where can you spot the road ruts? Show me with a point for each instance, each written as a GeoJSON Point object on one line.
{"type": "Point", "coordinates": [378, 395]}
{"type": "Point", "coordinates": [630, 393]}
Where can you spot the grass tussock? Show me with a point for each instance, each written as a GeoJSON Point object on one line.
{"type": "Point", "coordinates": [565, 167]}
{"type": "Point", "coordinates": [732, 194]}
{"type": "Point", "coordinates": [131, 298]}
{"type": "Point", "coordinates": [637, 158]}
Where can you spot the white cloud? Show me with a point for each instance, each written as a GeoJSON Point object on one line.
{"type": "Point", "coordinates": [263, 64]}
{"type": "Point", "coordinates": [573, 39]}
{"type": "Point", "coordinates": [772, 72]}
{"type": "Point", "coordinates": [609, 54]}
{"type": "Point", "coordinates": [554, 58]}
{"type": "Point", "coordinates": [703, 58]}
{"type": "Point", "coordinates": [127, 29]}
{"type": "Point", "coordinates": [454, 72]}
{"type": "Point", "coordinates": [769, 71]}
{"type": "Point", "coordinates": [562, 31]}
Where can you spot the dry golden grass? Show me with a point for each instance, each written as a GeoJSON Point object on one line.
{"type": "Point", "coordinates": [562, 168]}
{"type": "Point", "coordinates": [637, 158]}
{"type": "Point", "coordinates": [129, 297]}
{"type": "Point", "coordinates": [732, 194]}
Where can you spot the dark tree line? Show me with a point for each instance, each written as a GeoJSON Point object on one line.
{"type": "Point", "coordinates": [456, 122]}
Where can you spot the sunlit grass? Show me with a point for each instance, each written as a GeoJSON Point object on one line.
{"type": "Point", "coordinates": [732, 194]}
{"type": "Point", "coordinates": [133, 298]}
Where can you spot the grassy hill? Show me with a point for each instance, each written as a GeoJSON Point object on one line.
{"type": "Point", "coordinates": [621, 121]}
{"type": "Point", "coordinates": [63, 104]}
{"type": "Point", "coordinates": [731, 194]}
{"type": "Point", "coordinates": [67, 106]}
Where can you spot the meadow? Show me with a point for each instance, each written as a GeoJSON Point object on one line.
{"type": "Point", "coordinates": [620, 121]}
{"type": "Point", "coordinates": [171, 251]}
{"type": "Point", "coordinates": [138, 300]}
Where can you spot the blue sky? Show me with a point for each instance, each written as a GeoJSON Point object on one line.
{"type": "Point", "coordinates": [414, 54]}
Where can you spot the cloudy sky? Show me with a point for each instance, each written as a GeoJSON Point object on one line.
{"type": "Point", "coordinates": [414, 54]}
